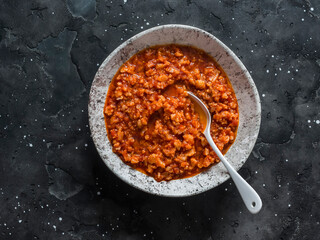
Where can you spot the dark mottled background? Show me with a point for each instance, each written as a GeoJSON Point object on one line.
{"type": "Point", "coordinates": [53, 185]}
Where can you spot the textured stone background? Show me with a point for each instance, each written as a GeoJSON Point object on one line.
{"type": "Point", "coordinates": [53, 185]}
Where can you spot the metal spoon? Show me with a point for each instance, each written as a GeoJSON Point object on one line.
{"type": "Point", "coordinates": [248, 194]}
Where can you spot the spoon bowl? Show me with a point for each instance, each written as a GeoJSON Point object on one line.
{"type": "Point", "coordinates": [242, 84]}
{"type": "Point", "coordinates": [249, 195]}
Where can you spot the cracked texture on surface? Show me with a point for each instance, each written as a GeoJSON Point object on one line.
{"type": "Point", "coordinates": [49, 55]}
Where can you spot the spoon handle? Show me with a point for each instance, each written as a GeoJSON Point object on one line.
{"type": "Point", "coordinates": [249, 195]}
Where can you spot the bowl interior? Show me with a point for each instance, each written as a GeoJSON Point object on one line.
{"type": "Point", "coordinates": [243, 85]}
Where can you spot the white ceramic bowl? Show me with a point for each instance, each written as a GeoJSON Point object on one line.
{"type": "Point", "coordinates": [243, 85]}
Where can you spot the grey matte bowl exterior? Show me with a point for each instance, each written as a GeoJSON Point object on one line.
{"type": "Point", "coordinates": [243, 85]}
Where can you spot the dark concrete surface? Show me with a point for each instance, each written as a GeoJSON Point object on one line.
{"type": "Point", "coordinates": [53, 185]}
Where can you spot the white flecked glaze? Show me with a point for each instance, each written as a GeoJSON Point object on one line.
{"type": "Point", "coordinates": [243, 85]}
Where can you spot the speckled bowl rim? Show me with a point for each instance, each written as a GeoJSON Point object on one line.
{"type": "Point", "coordinates": [217, 174]}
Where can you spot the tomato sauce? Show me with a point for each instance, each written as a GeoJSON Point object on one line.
{"type": "Point", "coordinates": [151, 122]}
